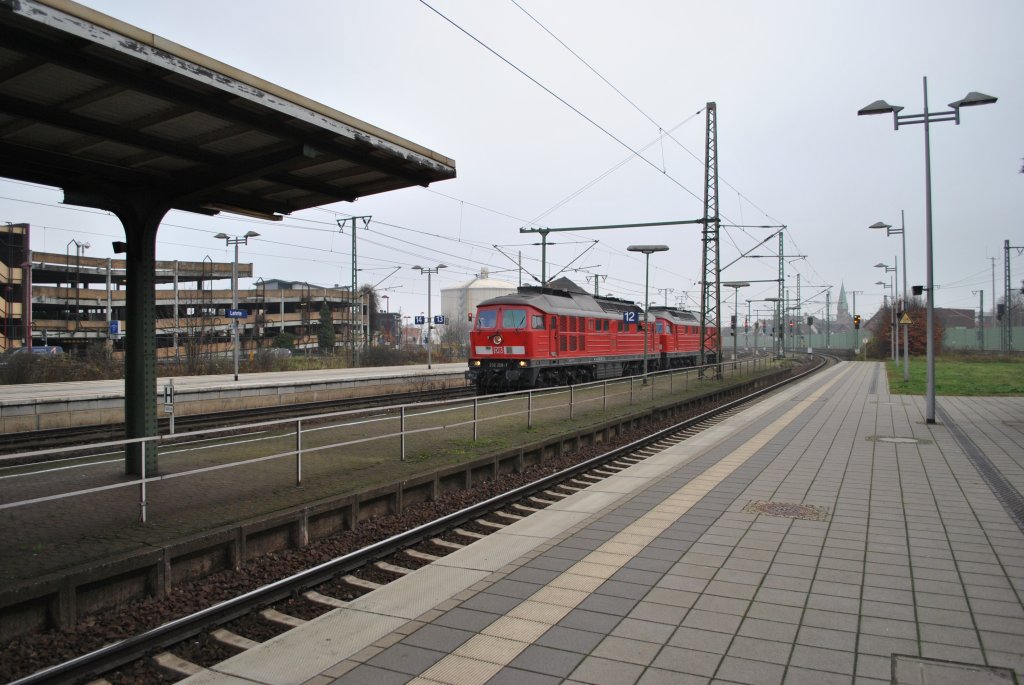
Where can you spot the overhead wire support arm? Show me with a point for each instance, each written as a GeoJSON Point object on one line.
{"type": "Point", "coordinates": [545, 230]}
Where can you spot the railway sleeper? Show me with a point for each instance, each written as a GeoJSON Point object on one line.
{"type": "Point", "coordinates": [525, 509]}
{"type": "Point", "coordinates": [325, 600]}
{"type": "Point", "coordinates": [282, 619]}
{"type": "Point", "coordinates": [505, 515]}
{"type": "Point", "coordinates": [469, 534]}
{"type": "Point", "coordinates": [360, 583]}
{"type": "Point", "coordinates": [444, 543]}
{"type": "Point", "coordinates": [422, 556]}
{"type": "Point", "coordinates": [176, 665]}
{"type": "Point", "coordinates": [490, 524]}
{"type": "Point", "coordinates": [392, 568]}
{"type": "Point", "coordinates": [226, 637]}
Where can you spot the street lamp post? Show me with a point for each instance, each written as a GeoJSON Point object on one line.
{"type": "Point", "coordinates": [901, 232]}
{"type": "Point", "coordinates": [736, 285]}
{"type": "Point", "coordinates": [430, 319]}
{"type": "Point", "coordinates": [647, 250]}
{"type": "Point", "coordinates": [893, 316]}
{"type": "Point", "coordinates": [236, 241]}
{"type": "Point", "coordinates": [972, 99]}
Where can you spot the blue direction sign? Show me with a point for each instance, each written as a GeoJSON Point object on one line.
{"type": "Point", "coordinates": [419, 320]}
{"type": "Point", "coordinates": [238, 313]}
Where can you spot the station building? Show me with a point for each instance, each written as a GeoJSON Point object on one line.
{"type": "Point", "coordinates": [72, 300]}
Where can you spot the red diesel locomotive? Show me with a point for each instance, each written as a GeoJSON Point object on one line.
{"type": "Point", "coordinates": [541, 337]}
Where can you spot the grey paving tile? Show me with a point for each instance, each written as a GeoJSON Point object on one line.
{"type": "Point", "coordinates": [806, 676]}
{"type": "Point", "coordinates": [737, 670]}
{"type": "Point", "coordinates": [658, 676]}
{"type": "Point", "coordinates": [619, 606]}
{"type": "Point", "coordinates": [659, 613]}
{"type": "Point", "coordinates": [787, 583]}
{"type": "Point", "coordinates": [833, 620]}
{"type": "Point", "coordinates": [829, 603]}
{"type": "Point", "coordinates": [514, 588]}
{"type": "Point", "coordinates": [491, 603]}
{"type": "Point", "coordinates": [722, 605]}
{"type": "Point", "coordinates": [707, 620]}
{"type": "Point", "coordinates": [768, 630]}
{"type": "Point", "coordinates": [600, 671]}
{"type": "Point", "coordinates": [536, 576]}
{"type": "Point", "coordinates": [886, 646]}
{"type": "Point", "coordinates": [874, 666]}
{"type": "Point", "coordinates": [679, 598]}
{"type": "Point", "coordinates": [687, 661]}
{"type": "Point", "coordinates": [739, 563]}
{"type": "Point", "coordinates": [890, 595]}
{"type": "Point", "coordinates": [816, 658]}
{"type": "Point", "coordinates": [590, 620]}
{"type": "Point", "coordinates": [993, 607]}
{"type": "Point", "coordinates": [757, 649]}
{"type": "Point", "coordinates": [644, 564]}
{"type": "Point", "coordinates": [438, 638]}
{"type": "Point", "coordinates": [547, 661]}
{"type": "Point", "coordinates": [648, 631]}
{"type": "Point", "coordinates": [627, 650]}
{"type": "Point", "coordinates": [406, 659]}
{"type": "Point", "coordinates": [687, 583]}
{"type": "Point", "coordinates": [943, 617]}
{"type": "Point", "coordinates": [570, 639]}
{"type": "Point", "coordinates": [825, 587]}
{"type": "Point", "coordinates": [513, 676]}
{"type": "Point", "coordinates": [900, 612]}
{"type": "Point", "coordinates": [999, 642]}
{"type": "Point", "coordinates": [827, 638]}
{"type": "Point", "coordinates": [365, 675]}
{"type": "Point", "coordinates": [700, 640]}
{"type": "Point", "coordinates": [965, 655]}
{"type": "Point", "coordinates": [730, 590]}
{"type": "Point", "coordinates": [465, 619]}
{"type": "Point", "coordinates": [632, 575]}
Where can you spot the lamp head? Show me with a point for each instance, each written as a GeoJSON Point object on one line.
{"type": "Point", "coordinates": [222, 236]}
{"type": "Point", "coordinates": [973, 99]}
{"type": "Point", "coordinates": [879, 107]}
{"type": "Point", "coordinates": [251, 234]}
{"type": "Point", "coordinates": [881, 266]}
{"type": "Point", "coordinates": [647, 249]}
{"type": "Point", "coordinates": [879, 224]}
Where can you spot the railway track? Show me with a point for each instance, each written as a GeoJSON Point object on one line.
{"type": "Point", "coordinates": [184, 646]}
{"type": "Point", "coordinates": [58, 438]}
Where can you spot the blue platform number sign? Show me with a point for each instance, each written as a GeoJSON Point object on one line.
{"type": "Point", "coordinates": [630, 317]}
{"type": "Point", "coordinates": [439, 319]}
{"type": "Point", "coordinates": [420, 320]}
{"type": "Point", "coordinates": [115, 328]}
{"type": "Point", "coordinates": [237, 313]}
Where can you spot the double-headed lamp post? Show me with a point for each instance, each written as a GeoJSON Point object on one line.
{"type": "Point", "coordinates": [736, 285]}
{"type": "Point", "coordinates": [882, 107]}
{"type": "Point", "coordinates": [647, 250]}
{"type": "Point", "coordinates": [893, 317]}
{"type": "Point", "coordinates": [428, 270]}
{"type": "Point", "coordinates": [236, 241]}
{"type": "Point", "coordinates": [901, 232]}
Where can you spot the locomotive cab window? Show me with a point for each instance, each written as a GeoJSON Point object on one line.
{"type": "Point", "coordinates": [513, 318]}
{"type": "Point", "coordinates": [537, 322]}
{"type": "Point", "coordinates": [486, 318]}
{"type": "Point", "coordinates": [659, 327]}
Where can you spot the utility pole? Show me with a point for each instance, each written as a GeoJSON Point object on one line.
{"type": "Point", "coordinates": [355, 285]}
{"type": "Point", "coordinates": [665, 292]}
{"type": "Point", "coordinates": [828, 323]}
{"type": "Point", "coordinates": [711, 300]}
{"type": "Point", "coordinates": [981, 318]}
{"type": "Point", "coordinates": [597, 281]}
{"type": "Point", "coordinates": [856, 331]}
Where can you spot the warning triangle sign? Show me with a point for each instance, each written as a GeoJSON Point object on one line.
{"type": "Point", "coordinates": [905, 320]}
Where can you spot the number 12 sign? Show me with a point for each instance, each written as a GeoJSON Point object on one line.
{"type": "Point", "coordinates": [630, 317]}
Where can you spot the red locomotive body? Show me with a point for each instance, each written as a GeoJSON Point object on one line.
{"type": "Point", "coordinates": [679, 331]}
{"type": "Point", "coordinates": [547, 336]}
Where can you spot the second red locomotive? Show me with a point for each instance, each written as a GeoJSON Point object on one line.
{"type": "Point", "coordinates": [541, 337]}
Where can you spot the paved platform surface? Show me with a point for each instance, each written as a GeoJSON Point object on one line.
{"type": "Point", "coordinates": [825, 535]}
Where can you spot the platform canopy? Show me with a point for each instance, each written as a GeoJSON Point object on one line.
{"type": "Point", "coordinates": [125, 121]}
{"type": "Point", "coordinates": [89, 103]}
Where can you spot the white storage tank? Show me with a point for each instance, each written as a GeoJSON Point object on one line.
{"type": "Point", "coordinates": [459, 301]}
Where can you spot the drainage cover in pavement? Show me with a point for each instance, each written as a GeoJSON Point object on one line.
{"type": "Point", "coordinates": [899, 440]}
{"type": "Point", "coordinates": [806, 512]}
{"type": "Point", "coordinates": [913, 670]}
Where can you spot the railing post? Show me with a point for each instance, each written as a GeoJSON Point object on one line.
{"type": "Point", "coordinates": [529, 409]}
{"type": "Point", "coordinates": [476, 414]}
{"type": "Point", "coordinates": [572, 398]}
{"type": "Point", "coordinates": [142, 488]}
{"type": "Point", "coordinates": [298, 452]}
{"type": "Point", "coordinates": [604, 403]}
{"type": "Point", "coordinates": [631, 390]}
{"type": "Point", "coordinates": [401, 430]}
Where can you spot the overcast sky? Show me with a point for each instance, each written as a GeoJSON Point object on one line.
{"type": "Point", "coordinates": [788, 78]}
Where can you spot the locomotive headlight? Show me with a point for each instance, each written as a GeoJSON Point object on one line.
{"type": "Point", "coordinates": [497, 339]}
{"type": "Point", "coordinates": [522, 362]}
{"type": "Point", "coordinates": [475, 362]}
